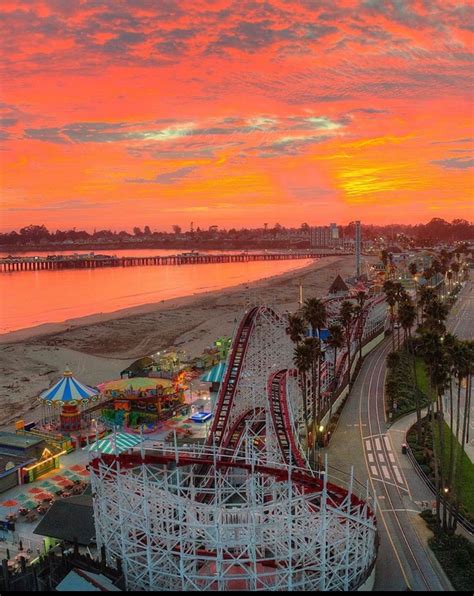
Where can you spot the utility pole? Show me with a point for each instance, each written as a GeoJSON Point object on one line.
{"type": "Point", "coordinates": [357, 247]}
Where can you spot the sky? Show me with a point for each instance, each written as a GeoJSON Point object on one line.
{"type": "Point", "coordinates": [119, 113]}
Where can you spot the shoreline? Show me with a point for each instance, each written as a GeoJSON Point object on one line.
{"type": "Point", "coordinates": [53, 328]}
{"type": "Point", "coordinates": [97, 347]}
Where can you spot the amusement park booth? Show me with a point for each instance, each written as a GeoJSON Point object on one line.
{"type": "Point", "coordinates": [145, 397]}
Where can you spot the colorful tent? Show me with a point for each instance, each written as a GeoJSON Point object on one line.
{"type": "Point", "coordinates": [116, 443]}
{"type": "Point", "coordinates": [69, 391]}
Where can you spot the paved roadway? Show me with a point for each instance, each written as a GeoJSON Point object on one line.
{"type": "Point", "coordinates": [361, 441]}
{"type": "Point", "coordinates": [461, 319]}
{"type": "Point", "coordinates": [461, 323]}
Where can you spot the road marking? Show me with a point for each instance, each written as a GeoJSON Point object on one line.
{"type": "Point", "coordinates": [378, 446]}
{"type": "Point", "coordinates": [381, 457]}
{"type": "Point", "coordinates": [368, 445]}
{"type": "Point", "coordinates": [387, 443]}
{"type": "Point", "coordinates": [397, 475]}
{"type": "Point", "coordinates": [399, 510]}
{"type": "Point", "coordinates": [370, 457]}
{"type": "Point", "coordinates": [391, 458]}
{"type": "Point", "coordinates": [386, 473]}
{"type": "Point", "coordinates": [388, 483]}
{"type": "Point", "coordinates": [373, 469]}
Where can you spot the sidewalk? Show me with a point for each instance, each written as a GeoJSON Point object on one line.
{"type": "Point", "coordinates": [419, 492]}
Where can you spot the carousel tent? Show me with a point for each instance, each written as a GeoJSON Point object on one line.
{"type": "Point", "coordinates": [68, 390]}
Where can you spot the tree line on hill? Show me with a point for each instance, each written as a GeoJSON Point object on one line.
{"type": "Point", "coordinates": [435, 231]}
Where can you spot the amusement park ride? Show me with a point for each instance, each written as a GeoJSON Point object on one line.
{"type": "Point", "coordinates": [245, 511]}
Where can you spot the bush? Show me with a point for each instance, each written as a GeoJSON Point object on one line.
{"type": "Point", "coordinates": [400, 386]}
{"type": "Point", "coordinates": [456, 554]}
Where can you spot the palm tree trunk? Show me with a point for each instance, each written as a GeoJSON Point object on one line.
{"type": "Point", "coordinates": [348, 339]}
{"type": "Point", "coordinates": [305, 404]}
{"type": "Point", "coordinates": [442, 452]}
{"type": "Point", "coordinates": [459, 478]}
{"type": "Point", "coordinates": [392, 328]}
{"type": "Point", "coordinates": [411, 350]}
{"type": "Point", "coordinates": [436, 471]}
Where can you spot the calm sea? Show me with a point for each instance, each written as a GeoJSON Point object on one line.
{"type": "Point", "coordinates": [30, 298]}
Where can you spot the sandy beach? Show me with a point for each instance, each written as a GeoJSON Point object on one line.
{"type": "Point", "coordinates": [98, 347]}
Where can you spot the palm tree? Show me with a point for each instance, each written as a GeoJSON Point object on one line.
{"type": "Point", "coordinates": [435, 315]}
{"type": "Point", "coordinates": [303, 360]}
{"type": "Point", "coordinates": [335, 341]}
{"type": "Point", "coordinates": [400, 296]}
{"type": "Point", "coordinates": [313, 345]}
{"type": "Point", "coordinates": [296, 328]}
{"type": "Point", "coordinates": [437, 363]}
{"type": "Point", "coordinates": [361, 298]}
{"type": "Point", "coordinates": [449, 275]}
{"type": "Point", "coordinates": [426, 296]}
{"type": "Point", "coordinates": [413, 268]}
{"type": "Point", "coordinates": [464, 371]}
{"type": "Point", "coordinates": [314, 311]}
{"type": "Point", "coordinates": [390, 297]}
{"type": "Point", "coordinates": [456, 267]}
{"type": "Point", "coordinates": [407, 317]}
{"type": "Point", "coordinates": [346, 317]}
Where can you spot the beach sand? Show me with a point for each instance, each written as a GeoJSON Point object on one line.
{"type": "Point", "coordinates": [98, 347]}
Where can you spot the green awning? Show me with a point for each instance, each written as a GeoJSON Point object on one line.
{"type": "Point", "coordinates": [216, 374]}
{"type": "Point", "coordinates": [115, 443]}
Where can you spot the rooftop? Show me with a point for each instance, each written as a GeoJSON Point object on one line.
{"type": "Point", "coordinates": [70, 519]}
{"type": "Point", "coordinates": [17, 441]}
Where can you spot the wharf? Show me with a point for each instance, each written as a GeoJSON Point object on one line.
{"type": "Point", "coordinates": [10, 264]}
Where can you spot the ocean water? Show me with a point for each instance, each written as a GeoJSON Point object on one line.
{"type": "Point", "coordinates": [30, 298]}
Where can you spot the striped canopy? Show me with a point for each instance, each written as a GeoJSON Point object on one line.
{"type": "Point", "coordinates": [116, 443]}
{"type": "Point", "coordinates": [216, 373]}
{"type": "Point", "coordinates": [68, 390]}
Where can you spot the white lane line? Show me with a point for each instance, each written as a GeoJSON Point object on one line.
{"type": "Point", "coordinates": [385, 472]}
{"type": "Point", "coordinates": [370, 457]}
{"type": "Point", "coordinates": [387, 483]}
{"type": "Point", "coordinates": [378, 446]}
{"type": "Point", "coordinates": [391, 457]}
{"type": "Point", "coordinates": [368, 445]}
{"type": "Point", "coordinates": [373, 469]}
{"type": "Point", "coordinates": [381, 457]}
{"type": "Point", "coordinates": [387, 443]}
{"type": "Point", "coordinates": [398, 476]}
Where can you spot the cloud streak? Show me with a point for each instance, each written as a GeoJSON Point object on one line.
{"type": "Point", "coordinates": [179, 105]}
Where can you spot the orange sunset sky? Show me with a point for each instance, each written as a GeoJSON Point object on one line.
{"type": "Point", "coordinates": [123, 113]}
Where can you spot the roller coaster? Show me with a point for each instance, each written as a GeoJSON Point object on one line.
{"type": "Point", "coordinates": [245, 511]}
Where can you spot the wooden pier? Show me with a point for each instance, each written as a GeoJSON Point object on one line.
{"type": "Point", "coordinates": [10, 264]}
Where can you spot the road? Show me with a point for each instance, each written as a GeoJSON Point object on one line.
{"type": "Point", "coordinates": [461, 318]}
{"type": "Point", "coordinates": [361, 441]}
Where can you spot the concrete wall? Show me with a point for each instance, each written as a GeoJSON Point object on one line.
{"type": "Point", "coordinates": [8, 481]}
